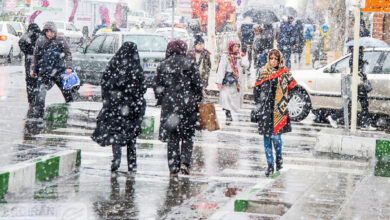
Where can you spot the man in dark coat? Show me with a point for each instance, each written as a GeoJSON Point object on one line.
{"type": "Point", "coordinates": [179, 87]}
{"type": "Point", "coordinates": [271, 93]}
{"type": "Point", "coordinates": [123, 89]}
{"type": "Point", "coordinates": [286, 39]}
{"type": "Point", "coordinates": [362, 95]}
{"type": "Point", "coordinates": [300, 41]}
{"type": "Point", "coordinates": [263, 44]}
{"type": "Point", "coordinates": [201, 56]}
{"type": "Point", "coordinates": [51, 59]}
{"type": "Point", "coordinates": [27, 45]}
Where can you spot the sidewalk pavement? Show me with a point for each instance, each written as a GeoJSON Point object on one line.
{"type": "Point", "coordinates": [27, 164]}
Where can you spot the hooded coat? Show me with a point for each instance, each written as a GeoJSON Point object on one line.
{"type": "Point", "coordinates": [265, 97]}
{"type": "Point", "coordinates": [28, 40]}
{"type": "Point", "coordinates": [178, 86]}
{"type": "Point", "coordinates": [123, 88]}
{"type": "Point", "coordinates": [51, 56]}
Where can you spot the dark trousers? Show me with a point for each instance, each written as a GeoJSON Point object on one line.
{"type": "Point", "coordinates": [364, 113]}
{"type": "Point", "coordinates": [286, 51]}
{"type": "Point", "coordinates": [42, 88]}
{"type": "Point", "coordinates": [177, 156]}
{"type": "Point", "coordinates": [31, 83]}
{"type": "Point", "coordinates": [131, 155]}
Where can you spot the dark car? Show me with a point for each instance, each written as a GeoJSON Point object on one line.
{"type": "Point", "coordinates": [90, 62]}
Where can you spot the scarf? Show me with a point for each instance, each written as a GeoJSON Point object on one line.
{"type": "Point", "coordinates": [285, 83]}
{"type": "Point", "coordinates": [232, 59]}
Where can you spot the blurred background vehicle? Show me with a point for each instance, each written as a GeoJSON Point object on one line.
{"type": "Point", "coordinates": [9, 39]}
{"type": "Point", "coordinates": [72, 34]}
{"type": "Point", "coordinates": [139, 17]}
{"type": "Point", "coordinates": [19, 27]}
{"type": "Point", "coordinates": [90, 62]}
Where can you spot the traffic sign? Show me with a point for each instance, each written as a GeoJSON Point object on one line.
{"type": "Point", "coordinates": [324, 30]}
{"type": "Point", "coordinates": [307, 30]}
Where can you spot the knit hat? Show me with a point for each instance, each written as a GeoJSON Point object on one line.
{"type": "Point", "coordinates": [198, 40]}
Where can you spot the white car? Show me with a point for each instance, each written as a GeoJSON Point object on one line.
{"type": "Point", "coordinates": [179, 33]}
{"type": "Point", "coordinates": [139, 17]}
{"type": "Point", "coordinates": [69, 31]}
{"type": "Point", "coordinates": [320, 90]}
{"type": "Point", "coordinates": [9, 41]}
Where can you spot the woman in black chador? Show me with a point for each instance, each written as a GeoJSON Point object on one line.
{"type": "Point", "coordinates": [123, 89]}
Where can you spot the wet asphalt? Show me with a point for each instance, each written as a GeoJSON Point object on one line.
{"type": "Point", "coordinates": [225, 164]}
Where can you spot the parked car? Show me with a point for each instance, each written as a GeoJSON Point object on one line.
{"type": "Point", "coordinates": [9, 39]}
{"type": "Point", "coordinates": [69, 31]}
{"type": "Point", "coordinates": [19, 27]}
{"type": "Point", "coordinates": [319, 90]}
{"type": "Point", "coordinates": [90, 62]}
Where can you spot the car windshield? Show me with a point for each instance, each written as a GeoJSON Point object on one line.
{"type": "Point", "coordinates": [16, 26]}
{"type": "Point", "coordinates": [59, 25]}
{"type": "Point", "coordinates": [168, 33]}
{"type": "Point", "coordinates": [1, 27]}
{"type": "Point", "coordinates": [147, 42]}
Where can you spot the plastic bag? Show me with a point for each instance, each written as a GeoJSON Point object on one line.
{"type": "Point", "coordinates": [70, 80]}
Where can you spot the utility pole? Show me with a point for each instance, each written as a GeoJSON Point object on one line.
{"type": "Point", "coordinates": [355, 66]}
{"type": "Point", "coordinates": [173, 19]}
{"type": "Point", "coordinates": [211, 43]}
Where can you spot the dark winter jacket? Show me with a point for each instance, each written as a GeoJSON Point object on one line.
{"type": "Point", "coordinates": [179, 87]}
{"type": "Point", "coordinates": [27, 44]}
{"type": "Point", "coordinates": [287, 35]}
{"type": "Point", "coordinates": [300, 41]}
{"type": "Point", "coordinates": [265, 40]}
{"type": "Point", "coordinates": [51, 56]}
{"type": "Point", "coordinates": [203, 64]}
{"type": "Point", "coordinates": [247, 33]}
{"type": "Point", "coordinates": [123, 89]}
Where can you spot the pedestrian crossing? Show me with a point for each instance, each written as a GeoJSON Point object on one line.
{"type": "Point", "coordinates": [232, 157]}
{"type": "Point", "coordinates": [235, 148]}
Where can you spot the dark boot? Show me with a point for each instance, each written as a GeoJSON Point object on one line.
{"type": "Point", "coordinates": [228, 115]}
{"type": "Point", "coordinates": [270, 170]}
{"type": "Point", "coordinates": [131, 158]}
{"type": "Point", "coordinates": [117, 153]}
{"type": "Point", "coordinates": [279, 163]}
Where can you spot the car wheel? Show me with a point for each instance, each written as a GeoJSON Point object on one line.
{"type": "Point", "coordinates": [10, 55]}
{"type": "Point", "coordinates": [299, 105]}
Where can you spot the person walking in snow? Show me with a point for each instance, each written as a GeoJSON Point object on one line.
{"type": "Point", "coordinates": [27, 46]}
{"type": "Point", "coordinates": [230, 70]}
{"type": "Point", "coordinates": [300, 42]}
{"type": "Point", "coordinates": [179, 87]}
{"type": "Point", "coordinates": [201, 56]}
{"type": "Point", "coordinates": [271, 97]}
{"type": "Point", "coordinates": [51, 59]}
{"type": "Point", "coordinates": [286, 39]}
{"type": "Point", "coordinates": [119, 120]}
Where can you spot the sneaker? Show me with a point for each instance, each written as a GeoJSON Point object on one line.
{"type": "Point", "coordinates": [332, 122]}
